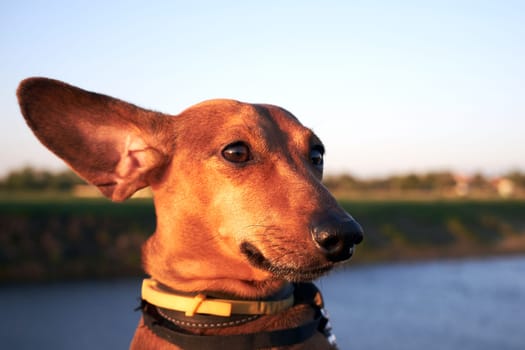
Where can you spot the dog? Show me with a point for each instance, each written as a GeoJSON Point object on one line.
{"type": "Point", "coordinates": [244, 223]}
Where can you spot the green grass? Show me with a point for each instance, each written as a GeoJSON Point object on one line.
{"type": "Point", "coordinates": [53, 204]}
{"type": "Point", "coordinates": [52, 236]}
{"type": "Point", "coordinates": [47, 237]}
{"type": "Point", "coordinates": [415, 229]}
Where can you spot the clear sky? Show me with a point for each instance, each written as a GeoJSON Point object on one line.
{"type": "Point", "coordinates": [390, 86]}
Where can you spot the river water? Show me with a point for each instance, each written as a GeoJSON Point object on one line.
{"type": "Point", "coordinates": [460, 304]}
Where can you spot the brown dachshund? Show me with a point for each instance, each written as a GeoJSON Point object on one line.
{"type": "Point", "coordinates": [243, 221]}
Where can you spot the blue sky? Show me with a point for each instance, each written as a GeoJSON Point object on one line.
{"type": "Point", "coordinates": [390, 86]}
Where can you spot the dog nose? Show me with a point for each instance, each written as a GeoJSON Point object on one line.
{"type": "Point", "coordinates": [336, 238]}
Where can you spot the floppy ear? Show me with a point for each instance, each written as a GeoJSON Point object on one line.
{"type": "Point", "coordinates": [112, 144]}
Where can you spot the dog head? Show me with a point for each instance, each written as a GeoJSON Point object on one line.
{"type": "Point", "coordinates": [237, 187]}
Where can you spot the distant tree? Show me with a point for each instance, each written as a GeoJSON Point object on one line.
{"type": "Point", "coordinates": [26, 178]}
{"type": "Point", "coordinates": [341, 182]}
{"type": "Point", "coordinates": [30, 179]}
{"type": "Point", "coordinates": [517, 177]}
{"type": "Point", "coordinates": [406, 182]}
{"type": "Point", "coordinates": [378, 184]}
{"type": "Point", "coordinates": [64, 181]}
{"type": "Point", "coordinates": [479, 182]}
{"type": "Point", "coordinates": [440, 180]}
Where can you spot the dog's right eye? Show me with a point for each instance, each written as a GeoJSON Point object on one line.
{"type": "Point", "coordinates": [317, 156]}
{"type": "Point", "coordinates": [237, 152]}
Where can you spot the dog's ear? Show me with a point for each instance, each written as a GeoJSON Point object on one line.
{"type": "Point", "coordinates": [112, 144]}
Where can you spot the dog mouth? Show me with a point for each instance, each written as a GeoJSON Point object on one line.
{"type": "Point", "coordinates": [292, 274]}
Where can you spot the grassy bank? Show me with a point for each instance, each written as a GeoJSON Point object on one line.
{"type": "Point", "coordinates": [54, 237]}
{"type": "Point", "coordinates": [49, 238]}
{"type": "Point", "coordinates": [404, 230]}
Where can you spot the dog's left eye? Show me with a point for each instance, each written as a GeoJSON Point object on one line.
{"type": "Point", "coordinates": [317, 156]}
{"type": "Point", "coordinates": [237, 152]}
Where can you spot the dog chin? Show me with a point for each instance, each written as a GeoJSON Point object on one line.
{"type": "Point", "coordinates": [291, 274]}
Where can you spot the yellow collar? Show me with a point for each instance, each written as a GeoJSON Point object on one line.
{"type": "Point", "coordinates": [154, 293]}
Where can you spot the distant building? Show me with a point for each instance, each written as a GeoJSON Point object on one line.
{"type": "Point", "coordinates": [504, 186]}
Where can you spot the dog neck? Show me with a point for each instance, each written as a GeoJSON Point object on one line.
{"type": "Point", "coordinates": [186, 320]}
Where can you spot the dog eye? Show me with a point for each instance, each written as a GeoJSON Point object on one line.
{"type": "Point", "coordinates": [316, 156]}
{"type": "Point", "coordinates": [237, 152]}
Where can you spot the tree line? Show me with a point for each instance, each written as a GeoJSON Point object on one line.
{"type": "Point", "coordinates": [31, 179]}
{"type": "Point", "coordinates": [432, 181]}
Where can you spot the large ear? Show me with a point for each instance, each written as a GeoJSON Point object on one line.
{"type": "Point", "coordinates": [110, 143]}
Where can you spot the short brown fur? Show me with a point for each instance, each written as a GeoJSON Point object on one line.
{"type": "Point", "coordinates": [206, 206]}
